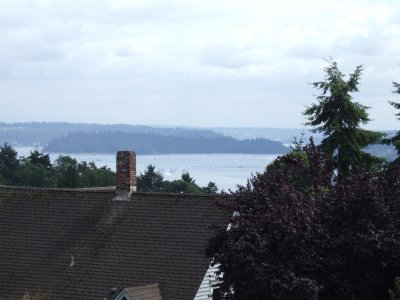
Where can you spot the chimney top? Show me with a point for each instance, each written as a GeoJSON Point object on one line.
{"type": "Point", "coordinates": [126, 175]}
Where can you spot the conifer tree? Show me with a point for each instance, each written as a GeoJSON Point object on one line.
{"type": "Point", "coordinates": [395, 140]}
{"type": "Point", "coordinates": [151, 180]}
{"type": "Point", "coordinates": [9, 164]}
{"type": "Point", "coordinates": [339, 118]}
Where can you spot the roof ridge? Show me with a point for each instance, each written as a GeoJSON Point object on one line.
{"type": "Point", "coordinates": [31, 188]}
{"type": "Point", "coordinates": [177, 194]}
{"type": "Point", "coordinates": [106, 189]}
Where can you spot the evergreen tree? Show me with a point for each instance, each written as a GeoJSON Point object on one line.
{"type": "Point", "coordinates": [184, 185]}
{"type": "Point", "coordinates": [151, 180]}
{"type": "Point", "coordinates": [339, 119]}
{"type": "Point", "coordinates": [31, 174]}
{"type": "Point", "coordinates": [91, 175]}
{"type": "Point", "coordinates": [395, 140]}
{"type": "Point", "coordinates": [187, 178]}
{"type": "Point", "coordinates": [66, 172]}
{"type": "Point", "coordinates": [181, 186]}
{"type": "Point", "coordinates": [9, 164]}
{"type": "Point", "coordinates": [39, 158]}
{"type": "Point", "coordinates": [211, 188]}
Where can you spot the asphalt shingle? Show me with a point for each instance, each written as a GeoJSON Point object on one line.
{"type": "Point", "coordinates": [78, 244]}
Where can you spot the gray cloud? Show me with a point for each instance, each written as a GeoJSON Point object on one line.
{"type": "Point", "coordinates": [225, 57]}
{"type": "Point", "coordinates": [189, 62]}
{"type": "Point", "coordinates": [37, 51]}
{"type": "Point", "coordinates": [128, 52]}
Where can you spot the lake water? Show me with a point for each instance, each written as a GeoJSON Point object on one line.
{"type": "Point", "coordinates": [226, 170]}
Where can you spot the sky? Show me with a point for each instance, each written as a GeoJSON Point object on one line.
{"type": "Point", "coordinates": [197, 63]}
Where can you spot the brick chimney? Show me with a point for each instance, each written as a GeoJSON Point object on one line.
{"type": "Point", "coordinates": [126, 175]}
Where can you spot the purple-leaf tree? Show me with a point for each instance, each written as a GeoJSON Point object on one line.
{"type": "Point", "coordinates": [301, 234]}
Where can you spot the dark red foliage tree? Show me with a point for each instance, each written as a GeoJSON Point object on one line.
{"type": "Point", "coordinates": [301, 234]}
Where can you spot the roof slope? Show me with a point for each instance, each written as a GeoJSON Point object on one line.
{"type": "Point", "coordinates": [79, 244]}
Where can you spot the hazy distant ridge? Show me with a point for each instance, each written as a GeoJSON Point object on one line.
{"type": "Point", "coordinates": [40, 133]}
{"type": "Point", "coordinates": [284, 135]}
{"type": "Point", "coordinates": [148, 143]}
{"type": "Point", "coordinates": [43, 133]}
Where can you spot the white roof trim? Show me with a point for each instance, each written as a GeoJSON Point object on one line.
{"type": "Point", "coordinates": [121, 295]}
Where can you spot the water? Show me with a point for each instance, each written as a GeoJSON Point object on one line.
{"type": "Point", "coordinates": [226, 170]}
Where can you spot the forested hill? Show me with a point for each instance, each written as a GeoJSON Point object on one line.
{"type": "Point", "coordinates": [40, 133]}
{"type": "Point", "coordinates": [150, 143]}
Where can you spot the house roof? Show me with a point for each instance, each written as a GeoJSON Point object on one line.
{"type": "Point", "coordinates": [74, 243]}
{"type": "Point", "coordinates": [145, 292]}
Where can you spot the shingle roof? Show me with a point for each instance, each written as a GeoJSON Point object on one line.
{"type": "Point", "coordinates": [78, 244]}
{"type": "Point", "coordinates": [146, 292]}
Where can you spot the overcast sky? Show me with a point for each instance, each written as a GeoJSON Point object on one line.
{"type": "Point", "coordinates": [191, 63]}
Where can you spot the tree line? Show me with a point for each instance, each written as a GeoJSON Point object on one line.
{"type": "Point", "coordinates": [40, 133]}
{"type": "Point", "coordinates": [322, 222]}
{"type": "Point", "coordinates": [153, 181]}
{"type": "Point", "coordinates": [36, 170]}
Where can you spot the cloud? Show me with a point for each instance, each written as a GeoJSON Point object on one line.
{"type": "Point", "coordinates": [35, 50]}
{"type": "Point", "coordinates": [128, 51]}
{"type": "Point", "coordinates": [230, 55]}
{"type": "Point", "coordinates": [225, 57]}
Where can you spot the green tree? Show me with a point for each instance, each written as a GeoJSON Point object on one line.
{"type": "Point", "coordinates": [187, 178]}
{"type": "Point", "coordinates": [211, 188]}
{"type": "Point", "coordinates": [35, 170]}
{"type": "Point", "coordinates": [151, 180]}
{"type": "Point", "coordinates": [339, 119]}
{"type": "Point", "coordinates": [395, 140]}
{"type": "Point", "coordinates": [30, 174]}
{"type": "Point", "coordinates": [9, 164]}
{"type": "Point", "coordinates": [184, 185]}
{"type": "Point", "coordinates": [91, 175]}
{"type": "Point", "coordinates": [181, 186]}
{"type": "Point", "coordinates": [66, 172]}
{"type": "Point", "coordinates": [39, 158]}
